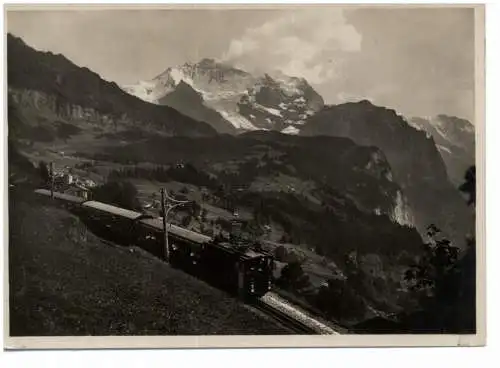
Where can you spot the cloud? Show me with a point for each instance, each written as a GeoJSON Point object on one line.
{"type": "Point", "coordinates": [307, 43]}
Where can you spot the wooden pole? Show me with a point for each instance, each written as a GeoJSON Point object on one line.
{"type": "Point", "coordinates": [165, 232]}
{"type": "Point", "coordinates": [166, 209]}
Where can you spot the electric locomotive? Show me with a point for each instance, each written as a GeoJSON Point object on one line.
{"type": "Point", "coordinates": [235, 268]}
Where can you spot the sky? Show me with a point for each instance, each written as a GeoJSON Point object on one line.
{"type": "Point", "coordinates": [419, 62]}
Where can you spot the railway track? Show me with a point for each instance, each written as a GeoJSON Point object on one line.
{"type": "Point", "coordinates": [284, 319]}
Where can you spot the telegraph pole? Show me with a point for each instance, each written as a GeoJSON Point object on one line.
{"type": "Point", "coordinates": [166, 208]}
{"type": "Point", "coordinates": [165, 232]}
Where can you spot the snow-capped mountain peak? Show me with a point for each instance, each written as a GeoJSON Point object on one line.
{"type": "Point", "coordinates": [247, 102]}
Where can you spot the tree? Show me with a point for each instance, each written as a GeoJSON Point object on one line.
{"type": "Point", "coordinates": [292, 257]}
{"type": "Point", "coordinates": [447, 278]}
{"type": "Point", "coordinates": [203, 214]}
{"type": "Point", "coordinates": [466, 314]}
{"type": "Point", "coordinates": [195, 209]}
{"type": "Point", "coordinates": [44, 171]}
{"type": "Point", "coordinates": [431, 274]}
{"type": "Point", "coordinates": [119, 193]}
{"type": "Point", "coordinates": [186, 220]}
{"type": "Point", "coordinates": [469, 185]}
{"type": "Point", "coordinates": [293, 276]}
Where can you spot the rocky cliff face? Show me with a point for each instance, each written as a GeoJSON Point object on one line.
{"type": "Point", "coordinates": [30, 99]}
{"type": "Point", "coordinates": [412, 154]}
{"type": "Point", "coordinates": [245, 101]}
{"type": "Point", "coordinates": [455, 140]}
{"type": "Point", "coordinates": [41, 79]}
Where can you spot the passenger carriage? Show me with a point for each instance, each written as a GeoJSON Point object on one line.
{"type": "Point", "coordinates": [111, 222]}
{"type": "Point", "coordinates": [69, 201]}
{"type": "Point", "coordinates": [185, 245]}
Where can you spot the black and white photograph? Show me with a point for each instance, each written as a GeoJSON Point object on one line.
{"type": "Point", "coordinates": [178, 174]}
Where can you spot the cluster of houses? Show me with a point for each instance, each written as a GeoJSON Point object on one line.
{"type": "Point", "coordinates": [69, 183]}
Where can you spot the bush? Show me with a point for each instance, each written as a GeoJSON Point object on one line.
{"type": "Point", "coordinates": [65, 130]}
{"type": "Point", "coordinates": [186, 220]}
{"type": "Point", "coordinates": [340, 301]}
{"type": "Point", "coordinates": [293, 277]}
{"type": "Point", "coordinates": [280, 253]}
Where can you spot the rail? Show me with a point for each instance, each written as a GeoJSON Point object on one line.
{"type": "Point", "coordinates": [284, 319]}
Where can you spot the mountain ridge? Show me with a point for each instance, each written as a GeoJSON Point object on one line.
{"type": "Point", "coordinates": [413, 156]}
{"type": "Point", "coordinates": [65, 87]}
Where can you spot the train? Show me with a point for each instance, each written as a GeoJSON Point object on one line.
{"type": "Point", "coordinates": [242, 269]}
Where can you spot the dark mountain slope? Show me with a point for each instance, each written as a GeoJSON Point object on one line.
{"type": "Point", "coordinates": [415, 161]}
{"type": "Point", "coordinates": [78, 92]}
{"type": "Point", "coordinates": [184, 98]}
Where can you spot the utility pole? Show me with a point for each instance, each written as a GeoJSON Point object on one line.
{"type": "Point", "coordinates": [52, 180]}
{"type": "Point", "coordinates": [164, 219]}
{"type": "Point", "coordinates": [165, 209]}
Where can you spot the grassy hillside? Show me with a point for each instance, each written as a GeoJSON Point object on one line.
{"type": "Point", "coordinates": [65, 281]}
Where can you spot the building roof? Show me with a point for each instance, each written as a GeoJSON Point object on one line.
{"type": "Point", "coordinates": [132, 215]}
{"type": "Point", "coordinates": [244, 251]}
{"type": "Point", "coordinates": [62, 196]}
{"type": "Point", "coordinates": [176, 230]}
{"type": "Point", "coordinates": [81, 187]}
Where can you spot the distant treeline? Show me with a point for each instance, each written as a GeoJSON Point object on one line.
{"type": "Point", "coordinates": [185, 173]}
